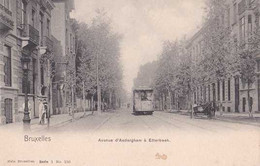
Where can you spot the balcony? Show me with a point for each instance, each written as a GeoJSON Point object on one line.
{"type": "Point", "coordinates": [252, 4]}
{"type": "Point", "coordinates": [241, 7]}
{"type": "Point", "coordinates": [46, 4]}
{"type": "Point", "coordinates": [6, 20]}
{"type": "Point", "coordinates": [48, 43]}
{"type": "Point", "coordinates": [30, 35]}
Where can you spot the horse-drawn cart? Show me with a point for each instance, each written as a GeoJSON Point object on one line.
{"type": "Point", "coordinates": [207, 109]}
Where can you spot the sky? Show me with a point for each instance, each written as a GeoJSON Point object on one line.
{"type": "Point", "coordinates": [144, 24]}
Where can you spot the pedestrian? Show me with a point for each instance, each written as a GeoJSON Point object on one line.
{"type": "Point", "coordinates": [105, 107]}
{"type": "Point", "coordinates": [42, 111]}
{"type": "Point", "coordinates": [220, 107]}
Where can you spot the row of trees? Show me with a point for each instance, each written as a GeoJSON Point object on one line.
{"type": "Point", "coordinates": [98, 68]}
{"type": "Point", "coordinates": [222, 56]}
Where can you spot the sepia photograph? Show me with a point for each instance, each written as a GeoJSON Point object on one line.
{"type": "Point", "coordinates": [130, 82]}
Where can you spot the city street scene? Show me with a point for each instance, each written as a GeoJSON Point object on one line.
{"type": "Point", "coordinates": [174, 82]}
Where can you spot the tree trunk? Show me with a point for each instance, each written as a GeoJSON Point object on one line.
{"type": "Point", "coordinates": [178, 103]}
{"type": "Point", "coordinates": [92, 104]}
{"type": "Point", "coordinates": [191, 102]}
{"type": "Point", "coordinates": [58, 101]}
{"type": "Point", "coordinates": [162, 102]}
{"type": "Point", "coordinates": [249, 100]}
{"type": "Point", "coordinates": [84, 99]}
{"type": "Point", "coordinates": [72, 98]}
{"type": "Point", "coordinates": [110, 100]}
{"type": "Point", "coordinates": [170, 98]}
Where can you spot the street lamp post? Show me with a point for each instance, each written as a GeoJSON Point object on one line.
{"type": "Point", "coordinates": [26, 119]}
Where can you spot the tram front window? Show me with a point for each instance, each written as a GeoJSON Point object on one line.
{"type": "Point", "coordinates": [146, 96]}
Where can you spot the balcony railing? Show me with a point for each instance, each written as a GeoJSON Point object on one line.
{"type": "Point", "coordinates": [241, 7]}
{"type": "Point", "coordinates": [32, 33]}
{"type": "Point", "coordinates": [6, 20]}
{"type": "Point", "coordinates": [252, 4]}
{"type": "Point", "coordinates": [5, 10]}
{"type": "Point", "coordinates": [46, 4]}
{"type": "Point", "coordinates": [47, 42]}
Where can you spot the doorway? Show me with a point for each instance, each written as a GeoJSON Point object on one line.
{"type": "Point", "coordinates": [236, 94]}
{"type": "Point", "coordinates": [244, 104]}
{"type": "Point", "coordinates": [8, 112]}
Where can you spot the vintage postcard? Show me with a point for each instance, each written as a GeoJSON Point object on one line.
{"type": "Point", "coordinates": [130, 82]}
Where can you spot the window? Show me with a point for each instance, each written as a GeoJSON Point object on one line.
{"type": "Point", "coordinates": [242, 29]}
{"type": "Point", "coordinates": [234, 13]}
{"type": "Point", "coordinates": [201, 93]}
{"type": "Point", "coordinates": [198, 95]}
{"type": "Point", "coordinates": [218, 90]}
{"type": "Point", "coordinates": [228, 109]}
{"type": "Point", "coordinates": [223, 90]}
{"type": "Point", "coordinates": [250, 84]}
{"type": "Point", "coordinates": [235, 41]}
{"type": "Point", "coordinates": [41, 25]}
{"type": "Point", "coordinates": [229, 93]}
{"type": "Point", "coordinates": [194, 97]}
{"type": "Point", "coordinates": [209, 92]}
{"type": "Point", "coordinates": [204, 94]}
{"type": "Point", "coordinates": [42, 75]}
{"type": "Point", "coordinates": [48, 27]}
{"type": "Point", "coordinates": [250, 26]}
{"type": "Point", "coordinates": [146, 96]}
{"type": "Point", "coordinates": [7, 4]}
{"type": "Point", "coordinates": [33, 18]}
{"type": "Point", "coordinates": [8, 111]}
{"type": "Point", "coordinates": [258, 66]}
{"type": "Point", "coordinates": [33, 73]}
{"type": "Point", "coordinates": [23, 7]}
{"type": "Point", "coordinates": [7, 66]}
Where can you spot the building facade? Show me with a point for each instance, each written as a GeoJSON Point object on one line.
{"type": "Point", "coordinates": [241, 17]}
{"type": "Point", "coordinates": [9, 63]}
{"type": "Point", "coordinates": [64, 80]}
{"type": "Point", "coordinates": [25, 31]}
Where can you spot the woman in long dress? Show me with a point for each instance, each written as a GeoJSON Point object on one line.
{"type": "Point", "coordinates": [42, 113]}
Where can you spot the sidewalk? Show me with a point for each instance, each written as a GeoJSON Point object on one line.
{"type": "Point", "coordinates": [242, 118]}
{"type": "Point", "coordinates": [55, 120]}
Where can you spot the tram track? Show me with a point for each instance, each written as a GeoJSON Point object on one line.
{"type": "Point", "coordinates": [196, 125]}
{"type": "Point", "coordinates": [186, 123]}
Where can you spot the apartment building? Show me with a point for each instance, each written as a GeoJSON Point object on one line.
{"type": "Point", "coordinates": [8, 58]}
{"type": "Point", "coordinates": [25, 32]}
{"type": "Point", "coordinates": [241, 17]}
{"type": "Point", "coordinates": [62, 30]}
